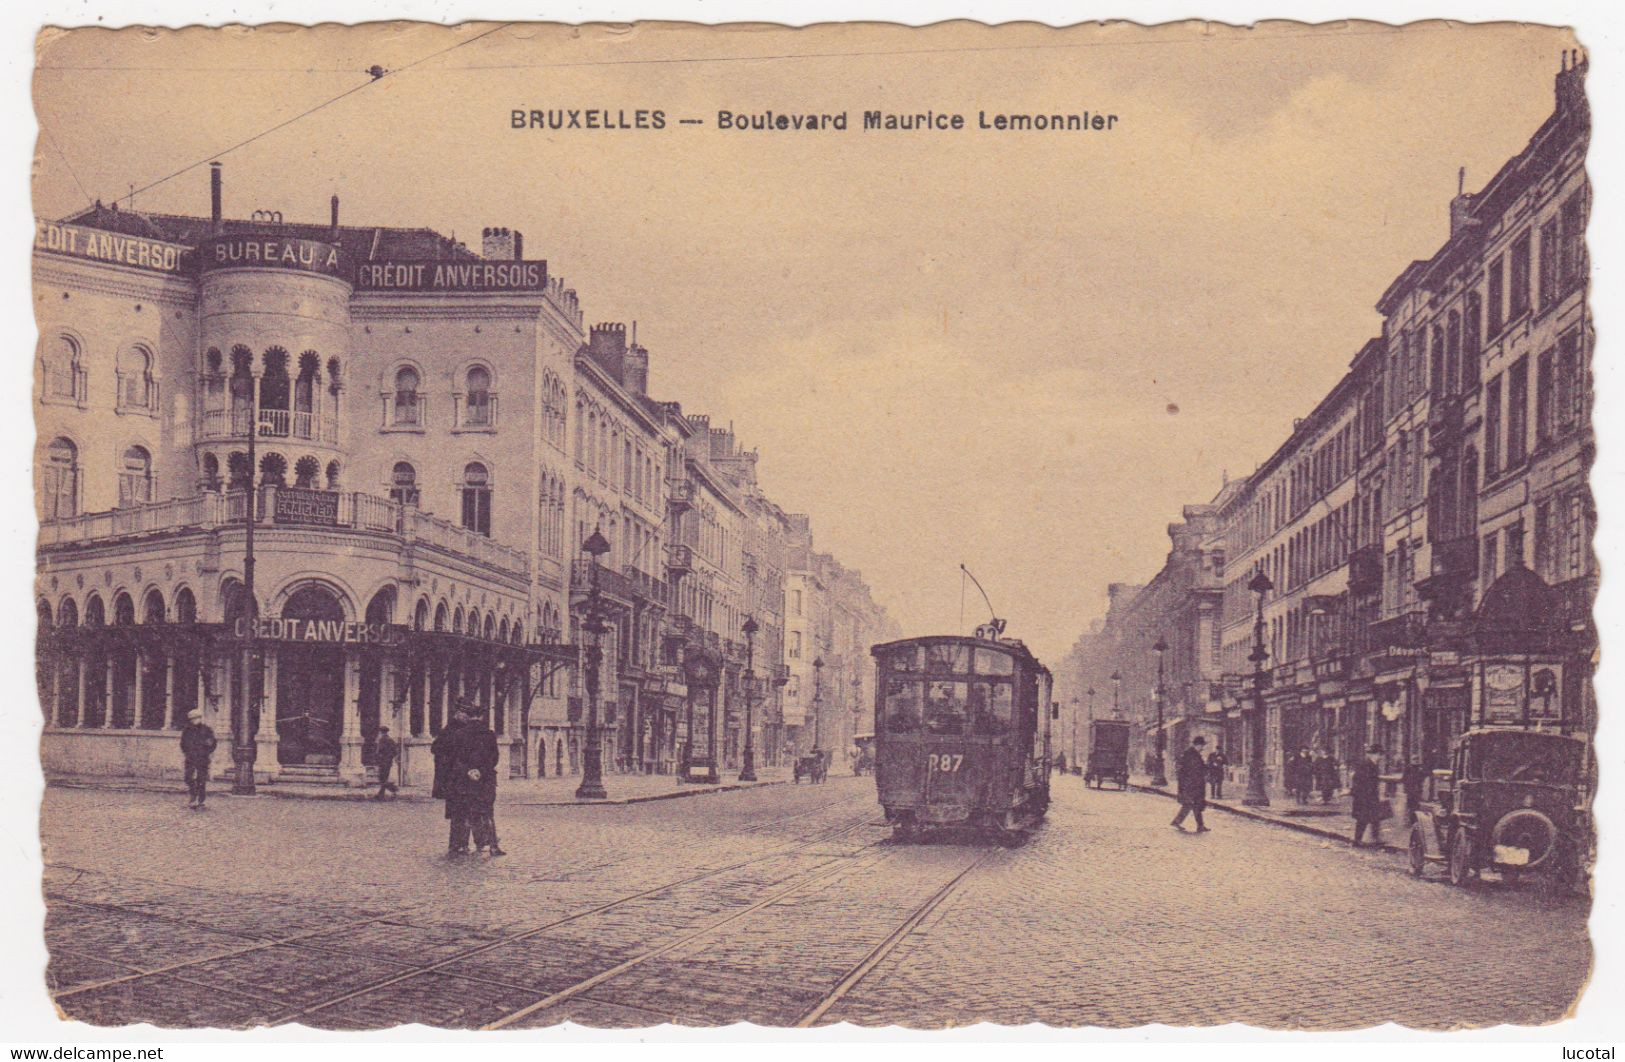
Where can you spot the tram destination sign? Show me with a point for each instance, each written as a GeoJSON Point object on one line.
{"type": "Point", "coordinates": [301, 505]}
{"type": "Point", "coordinates": [327, 632]}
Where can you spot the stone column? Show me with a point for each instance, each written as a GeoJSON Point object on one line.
{"type": "Point", "coordinates": [170, 708]}
{"type": "Point", "coordinates": [107, 693]}
{"type": "Point", "coordinates": [350, 766]}
{"type": "Point", "coordinates": [265, 735]}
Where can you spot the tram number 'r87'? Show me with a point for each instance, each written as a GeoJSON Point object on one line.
{"type": "Point", "coordinates": [945, 762]}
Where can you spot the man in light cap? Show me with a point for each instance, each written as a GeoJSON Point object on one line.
{"type": "Point", "coordinates": [197, 746]}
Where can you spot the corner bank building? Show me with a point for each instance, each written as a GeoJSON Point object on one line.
{"type": "Point", "coordinates": [404, 400]}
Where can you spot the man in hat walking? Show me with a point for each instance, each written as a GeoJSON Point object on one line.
{"type": "Point", "coordinates": [1191, 774]}
{"type": "Point", "coordinates": [474, 777]}
{"type": "Point", "coordinates": [443, 749]}
{"type": "Point", "coordinates": [197, 746]}
{"type": "Point", "coordinates": [385, 750]}
{"type": "Point", "coordinates": [1366, 792]}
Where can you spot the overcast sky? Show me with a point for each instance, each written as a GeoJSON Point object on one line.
{"type": "Point", "coordinates": [1020, 351]}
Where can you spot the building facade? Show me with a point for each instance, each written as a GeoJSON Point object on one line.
{"type": "Point", "coordinates": [416, 437]}
{"type": "Point", "coordinates": [1426, 529]}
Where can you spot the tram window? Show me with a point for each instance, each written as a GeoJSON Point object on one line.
{"type": "Point", "coordinates": [991, 662]}
{"type": "Point", "coordinates": [946, 706]}
{"type": "Point", "coordinates": [910, 658]}
{"type": "Point", "coordinates": [902, 705]}
{"type": "Point", "coordinates": [947, 657]}
{"type": "Point", "coordinates": [991, 704]}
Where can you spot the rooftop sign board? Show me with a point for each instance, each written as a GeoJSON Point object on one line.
{"type": "Point", "coordinates": [270, 252]}
{"type": "Point", "coordinates": [115, 248]}
{"type": "Point", "coordinates": [439, 275]}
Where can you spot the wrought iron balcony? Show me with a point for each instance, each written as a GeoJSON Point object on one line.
{"type": "Point", "coordinates": [680, 494]}
{"type": "Point", "coordinates": [679, 559]}
{"type": "Point", "coordinates": [1401, 632]}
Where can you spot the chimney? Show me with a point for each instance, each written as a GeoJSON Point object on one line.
{"type": "Point", "coordinates": [335, 213]}
{"type": "Point", "coordinates": [518, 246]}
{"type": "Point", "coordinates": [1461, 207]}
{"type": "Point", "coordinates": [496, 243]}
{"type": "Point", "coordinates": [214, 195]}
{"type": "Point", "coordinates": [637, 370]}
{"type": "Point", "coordinates": [1571, 92]}
{"type": "Point", "coordinates": [607, 345]}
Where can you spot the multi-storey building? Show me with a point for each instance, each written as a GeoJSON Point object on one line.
{"type": "Point", "coordinates": [434, 435]}
{"type": "Point", "coordinates": [1426, 528]}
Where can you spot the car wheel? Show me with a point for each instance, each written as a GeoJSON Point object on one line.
{"type": "Point", "coordinates": [1418, 851]}
{"type": "Point", "coordinates": [1461, 859]}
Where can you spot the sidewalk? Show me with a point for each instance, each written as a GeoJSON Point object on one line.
{"type": "Point", "coordinates": [528, 792]}
{"type": "Point", "coordinates": [1332, 820]}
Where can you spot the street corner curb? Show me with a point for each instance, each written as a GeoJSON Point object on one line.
{"type": "Point", "coordinates": [1301, 827]}
{"type": "Point", "coordinates": [623, 801]}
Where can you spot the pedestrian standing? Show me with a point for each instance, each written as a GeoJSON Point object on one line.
{"type": "Point", "coordinates": [1367, 798]}
{"type": "Point", "coordinates": [385, 750]}
{"type": "Point", "coordinates": [1191, 774]}
{"type": "Point", "coordinates": [1326, 776]}
{"type": "Point", "coordinates": [1302, 775]}
{"type": "Point", "coordinates": [197, 746]}
{"type": "Point", "coordinates": [442, 750]}
{"type": "Point", "coordinates": [1411, 781]}
{"type": "Point", "coordinates": [1216, 763]}
{"type": "Point", "coordinates": [474, 776]}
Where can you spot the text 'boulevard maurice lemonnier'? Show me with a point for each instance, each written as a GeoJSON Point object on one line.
{"type": "Point", "coordinates": [775, 121]}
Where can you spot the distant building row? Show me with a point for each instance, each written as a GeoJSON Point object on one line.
{"type": "Point", "coordinates": [1426, 528]}
{"type": "Point", "coordinates": [436, 433]}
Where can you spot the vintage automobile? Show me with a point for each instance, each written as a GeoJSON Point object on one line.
{"type": "Point", "coordinates": [1513, 801]}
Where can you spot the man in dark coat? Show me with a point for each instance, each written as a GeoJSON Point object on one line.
{"type": "Point", "coordinates": [1301, 775]}
{"type": "Point", "coordinates": [474, 779]}
{"type": "Point", "coordinates": [1216, 763]}
{"type": "Point", "coordinates": [1411, 781]}
{"type": "Point", "coordinates": [197, 746]}
{"type": "Point", "coordinates": [1367, 797]}
{"type": "Point", "coordinates": [1191, 774]}
{"type": "Point", "coordinates": [384, 751]}
{"type": "Point", "coordinates": [1326, 776]}
{"type": "Point", "coordinates": [442, 749]}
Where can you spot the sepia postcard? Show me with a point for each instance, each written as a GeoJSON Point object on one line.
{"type": "Point", "coordinates": [640, 524]}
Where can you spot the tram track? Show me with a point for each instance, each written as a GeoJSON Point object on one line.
{"type": "Point", "coordinates": [307, 938]}
{"type": "Point", "coordinates": [867, 965]}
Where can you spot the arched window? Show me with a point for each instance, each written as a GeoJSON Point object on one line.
{"type": "Point", "coordinates": [185, 606]}
{"type": "Point", "coordinates": [135, 386]}
{"type": "Point", "coordinates": [332, 475]}
{"type": "Point", "coordinates": [477, 498]}
{"type": "Point", "coordinates": [403, 484]}
{"type": "Point", "coordinates": [273, 470]}
{"type": "Point", "coordinates": [305, 471]}
{"type": "Point", "coordinates": [407, 403]}
{"type": "Point", "coordinates": [420, 616]}
{"type": "Point", "coordinates": [152, 608]}
{"type": "Point", "coordinates": [211, 472]}
{"type": "Point", "coordinates": [135, 478]}
{"type": "Point", "coordinates": [64, 377]}
{"type": "Point", "coordinates": [457, 620]}
{"type": "Point", "coordinates": [59, 480]}
{"type": "Point", "coordinates": [490, 629]}
{"type": "Point", "coordinates": [477, 397]}
{"type": "Point", "coordinates": [440, 616]}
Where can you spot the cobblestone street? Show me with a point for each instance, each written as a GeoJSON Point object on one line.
{"type": "Point", "coordinates": [781, 905]}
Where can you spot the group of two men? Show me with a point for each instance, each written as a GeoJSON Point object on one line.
{"type": "Point", "coordinates": [465, 777]}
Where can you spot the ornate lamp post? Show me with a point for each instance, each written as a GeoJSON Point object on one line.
{"type": "Point", "coordinates": [592, 757]}
{"type": "Point", "coordinates": [818, 710]}
{"type": "Point", "coordinates": [1159, 777]}
{"type": "Point", "coordinates": [1257, 795]}
{"type": "Point", "coordinates": [747, 769]}
{"type": "Point", "coordinates": [1117, 684]}
{"type": "Point", "coordinates": [1090, 693]}
{"type": "Point", "coordinates": [244, 748]}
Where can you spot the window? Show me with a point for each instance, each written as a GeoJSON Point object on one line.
{"type": "Point", "coordinates": [477, 498]}
{"type": "Point", "coordinates": [1470, 340]}
{"type": "Point", "coordinates": [305, 471]}
{"type": "Point", "coordinates": [1548, 263]}
{"type": "Point", "coordinates": [1513, 540]}
{"type": "Point", "coordinates": [1571, 255]}
{"type": "Point", "coordinates": [1492, 429]}
{"type": "Point", "coordinates": [795, 602]}
{"type": "Point", "coordinates": [1517, 411]}
{"type": "Point", "coordinates": [64, 379]}
{"type": "Point", "coordinates": [1545, 562]}
{"type": "Point", "coordinates": [136, 389]}
{"type": "Point", "coordinates": [403, 484]}
{"type": "Point", "coordinates": [480, 403]}
{"type": "Point", "coordinates": [1497, 299]}
{"type": "Point", "coordinates": [795, 645]}
{"type": "Point", "coordinates": [408, 405]}
{"type": "Point", "coordinates": [59, 480]}
{"type": "Point", "coordinates": [1491, 567]}
{"type": "Point", "coordinates": [1544, 384]}
{"type": "Point", "coordinates": [1518, 277]}
{"type": "Point", "coordinates": [135, 478]}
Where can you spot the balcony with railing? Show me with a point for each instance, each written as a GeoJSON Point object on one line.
{"type": "Point", "coordinates": [653, 590]}
{"type": "Point", "coordinates": [273, 424]}
{"type": "Point", "coordinates": [342, 511]}
{"type": "Point", "coordinates": [1400, 632]}
{"type": "Point", "coordinates": [585, 572]}
{"type": "Point", "coordinates": [680, 494]}
{"type": "Point", "coordinates": [679, 559]}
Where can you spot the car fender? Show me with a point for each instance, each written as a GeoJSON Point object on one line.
{"type": "Point", "coordinates": [1430, 824]}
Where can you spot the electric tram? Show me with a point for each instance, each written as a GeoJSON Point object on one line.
{"type": "Point", "coordinates": [962, 732]}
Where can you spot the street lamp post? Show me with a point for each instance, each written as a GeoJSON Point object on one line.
{"type": "Point", "coordinates": [1159, 777]}
{"type": "Point", "coordinates": [592, 757]}
{"type": "Point", "coordinates": [818, 710]}
{"type": "Point", "coordinates": [1257, 795]}
{"type": "Point", "coordinates": [747, 769]}
{"type": "Point", "coordinates": [244, 749]}
{"type": "Point", "coordinates": [1090, 692]}
{"type": "Point", "coordinates": [1117, 684]}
